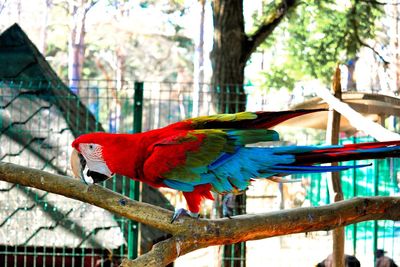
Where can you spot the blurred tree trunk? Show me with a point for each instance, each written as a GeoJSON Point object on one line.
{"type": "Point", "coordinates": [198, 76]}
{"type": "Point", "coordinates": [227, 55]}
{"type": "Point", "coordinates": [43, 34]}
{"type": "Point", "coordinates": [231, 50]}
{"type": "Point", "coordinates": [394, 43]}
{"type": "Point", "coordinates": [76, 44]}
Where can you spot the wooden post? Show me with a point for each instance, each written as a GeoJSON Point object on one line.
{"type": "Point", "coordinates": [332, 137]}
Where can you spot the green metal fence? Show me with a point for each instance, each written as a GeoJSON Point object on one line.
{"type": "Point", "coordinates": [40, 119]}
{"type": "Point", "coordinates": [38, 122]}
{"type": "Point", "coordinates": [37, 228]}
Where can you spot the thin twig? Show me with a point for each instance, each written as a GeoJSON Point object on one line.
{"type": "Point", "coordinates": [2, 6]}
{"type": "Point", "coordinates": [267, 28]}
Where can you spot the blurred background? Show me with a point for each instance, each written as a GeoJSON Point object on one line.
{"type": "Point", "coordinates": [73, 66]}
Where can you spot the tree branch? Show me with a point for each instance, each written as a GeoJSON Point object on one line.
{"type": "Point", "coordinates": [361, 42]}
{"type": "Point", "coordinates": [93, 194]}
{"type": "Point", "coordinates": [163, 252]}
{"type": "Point", "coordinates": [379, 2]}
{"type": "Point", "coordinates": [354, 22]}
{"type": "Point", "coordinates": [3, 5]}
{"type": "Point", "coordinates": [267, 28]}
{"type": "Point", "coordinates": [189, 234]}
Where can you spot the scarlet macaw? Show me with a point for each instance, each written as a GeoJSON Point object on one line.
{"type": "Point", "coordinates": [204, 154]}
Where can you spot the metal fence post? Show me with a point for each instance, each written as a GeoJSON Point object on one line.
{"type": "Point", "coordinates": [354, 181]}
{"type": "Point", "coordinates": [133, 232]}
{"type": "Point", "coordinates": [376, 193]}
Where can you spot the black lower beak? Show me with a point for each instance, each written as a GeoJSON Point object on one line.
{"type": "Point", "coordinates": [97, 177]}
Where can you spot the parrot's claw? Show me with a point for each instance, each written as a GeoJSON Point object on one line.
{"type": "Point", "coordinates": [182, 212]}
{"type": "Point", "coordinates": [228, 204]}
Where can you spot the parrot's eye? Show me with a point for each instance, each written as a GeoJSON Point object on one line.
{"type": "Point", "coordinates": [91, 151]}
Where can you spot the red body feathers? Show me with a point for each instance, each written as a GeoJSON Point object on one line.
{"type": "Point", "coordinates": [205, 154]}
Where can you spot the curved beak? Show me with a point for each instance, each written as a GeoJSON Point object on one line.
{"type": "Point", "coordinates": [76, 164]}
{"type": "Point", "coordinates": [81, 170]}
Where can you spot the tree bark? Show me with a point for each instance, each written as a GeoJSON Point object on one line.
{"type": "Point", "coordinates": [226, 56]}
{"type": "Point", "coordinates": [232, 48]}
{"type": "Point", "coordinates": [189, 234]}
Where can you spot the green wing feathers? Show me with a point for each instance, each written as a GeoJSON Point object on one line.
{"type": "Point", "coordinates": [223, 118]}
{"type": "Point", "coordinates": [209, 145]}
{"type": "Point", "coordinates": [243, 120]}
{"type": "Point", "coordinates": [194, 144]}
{"type": "Point", "coordinates": [188, 155]}
{"type": "Point", "coordinates": [246, 137]}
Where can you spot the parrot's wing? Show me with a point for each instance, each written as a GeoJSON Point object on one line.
{"type": "Point", "coordinates": [182, 160]}
{"type": "Point", "coordinates": [242, 120]}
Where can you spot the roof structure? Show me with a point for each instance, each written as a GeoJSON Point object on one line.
{"type": "Point", "coordinates": [371, 105]}
{"type": "Point", "coordinates": [39, 118]}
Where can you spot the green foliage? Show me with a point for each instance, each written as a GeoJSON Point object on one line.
{"type": "Point", "coordinates": [315, 37]}
{"type": "Point", "coordinates": [279, 77]}
{"type": "Point", "coordinates": [269, 11]}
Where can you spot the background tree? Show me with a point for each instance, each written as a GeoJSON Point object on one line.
{"type": "Point", "coordinates": [312, 38]}
{"type": "Point", "coordinates": [233, 46]}
{"type": "Point", "coordinates": [321, 33]}
{"type": "Point", "coordinates": [300, 40]}
{"type": "Point", "coordinates": [77, 12]}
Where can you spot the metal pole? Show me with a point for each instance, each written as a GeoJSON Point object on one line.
{"type": "Point", "coordinates": [134, 191]}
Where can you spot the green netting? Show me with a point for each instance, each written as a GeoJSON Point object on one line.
{"type": "Point", "coordinates": [378, 180]}
{"type": "Point", "coordinates": [37, 126]}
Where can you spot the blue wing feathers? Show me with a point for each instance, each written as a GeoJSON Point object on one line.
{"type": "Point", "coordinates": [233, 171]}
{"type": "Point", "coordinates": [181, 186]}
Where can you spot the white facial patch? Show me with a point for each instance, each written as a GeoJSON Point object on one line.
{"type": "Point", "coordinates": [94, 159]}
{"type": "Point", "coordinates": [99, 166]}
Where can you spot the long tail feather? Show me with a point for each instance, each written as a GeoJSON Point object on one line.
{"type": "Point", "coordinates": [375, 150]}
{"type": "Point", "coordinates": [267, 119]}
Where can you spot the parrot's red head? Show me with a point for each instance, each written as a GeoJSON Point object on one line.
{"type": "Point", "coordinates": [87, 158]}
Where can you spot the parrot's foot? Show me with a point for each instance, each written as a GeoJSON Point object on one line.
{"type": "Point", "coordinates": [228, 205]}
{"type": "Point", "coordinates": [182, 212]}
